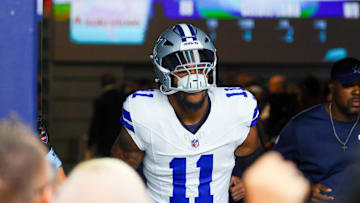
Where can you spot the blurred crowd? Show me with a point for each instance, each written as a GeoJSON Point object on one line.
{"type": "Point", "coordinates": [279, 99]}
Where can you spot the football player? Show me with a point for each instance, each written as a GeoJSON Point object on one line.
{"type": "Point", "coordinates": [188, 132]}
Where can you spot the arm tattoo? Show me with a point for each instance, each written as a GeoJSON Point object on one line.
{"type": "Point", "coordinates": [125, 142]}
{"type": "Point", "coordinates": [125, 149]}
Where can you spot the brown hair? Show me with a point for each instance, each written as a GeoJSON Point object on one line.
{"type": "Point", "coordinates": [22, 157]}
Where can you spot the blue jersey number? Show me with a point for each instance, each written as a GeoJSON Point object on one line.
{"type": "Point", "coordinates": [205, 163]}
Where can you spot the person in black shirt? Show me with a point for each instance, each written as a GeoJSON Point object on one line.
{"type": "Point", "coordinates": [105, 123]}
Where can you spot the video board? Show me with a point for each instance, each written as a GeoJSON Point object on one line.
{"type": "Point", "coordinates": [243, 30]}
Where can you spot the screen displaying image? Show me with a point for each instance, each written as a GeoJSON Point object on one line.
{"type": "Point", "coordinates": [243, 30]}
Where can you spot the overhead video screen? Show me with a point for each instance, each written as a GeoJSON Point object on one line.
{"type": "Point", "coordinates": [243, 30]}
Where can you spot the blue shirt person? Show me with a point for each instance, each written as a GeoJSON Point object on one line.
{"type": "Point", "coordinates": [322, 139]}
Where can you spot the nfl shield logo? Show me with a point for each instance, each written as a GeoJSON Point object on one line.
{"type": "Point", "coordinates": [195, 143]}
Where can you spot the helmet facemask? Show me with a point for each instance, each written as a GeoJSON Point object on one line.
{"type": "Point", "coordinates": [192, 77]}
{"type": "Point", "coordinates": [194, 71]}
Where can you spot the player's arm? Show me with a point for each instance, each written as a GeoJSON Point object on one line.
{"type": "Point", "coordinates": [125, 149]}
{"type": "Point", "coordinates": [250, 144]}
{"type": "Point", "coordinates": [246, 154]}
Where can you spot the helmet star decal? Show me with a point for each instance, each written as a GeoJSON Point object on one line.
{"type": "Point", "coordinates": [356, 70]}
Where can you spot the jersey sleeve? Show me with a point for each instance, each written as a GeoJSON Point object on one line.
{"type": "Point", "coordinates": [130, 125]}
{"type": "Point", "coordinates": [256, 114]}
{"type": "Point", "coordinates": [253, 109]}
{"type": "Point", "coordinates": [245, 103]}
{"type": "Point", "coordinates": [286, 143]}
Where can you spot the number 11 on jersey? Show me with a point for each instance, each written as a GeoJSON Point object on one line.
{"type": "Point", "coordinates": [205, 163]}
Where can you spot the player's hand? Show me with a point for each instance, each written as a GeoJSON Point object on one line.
{"type": "Point", "coordinates": [317, 195]}
{"type": "Point", "coordinates": [237, 189]}
{"type": "Point", "coordinates": [276, 180]}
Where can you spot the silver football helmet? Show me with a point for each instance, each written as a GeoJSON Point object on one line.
{"type": "Point", "coordinates": [184, 49]}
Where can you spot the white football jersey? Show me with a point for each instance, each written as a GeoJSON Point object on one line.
{"type": "Point", "coordinates": [181, 166]}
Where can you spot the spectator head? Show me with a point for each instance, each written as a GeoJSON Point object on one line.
{"type": "Point", "coordinates": [258, 91]}
{"type": "Point", "coordinates": [102, 180]}
{"type": "Point", "coordinates": [244, 79]}
{"type": "Point", "coordinates": [107, 79]}
{"type": "Point", "coordinates": [25, 174]}
{"type": "Point", "coordinates": [277, 84]}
